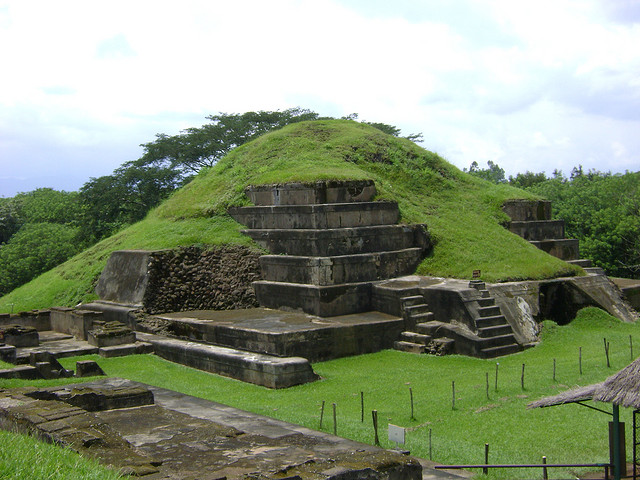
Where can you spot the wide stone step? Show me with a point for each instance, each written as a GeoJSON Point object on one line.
{"type": "Point", "coordinates": [583, 262]}
{"type": "Point", "coordinates": [538, 229]}
{"type": "Point", "coordinates": [323, 301]}
{"type": "Point", "coordinates": [489, 311]}
{"type": "Point", "coordinates": [336, 215]}
{"type": "Point", "coordinates": [340, 269]}
{"type": "Point", "coordinates": [486, 302]}
{"type": "Point", "coordinates": [322, 191]}
{"type": "Point", "coordinates": [491, 321]}
{"type": "Point", "coordinates": [408, 347]}
{"type": "Point", "coordinates": [412, 300]}
{"type": "Point", "coordinates": [497, 341]}
{"type": "Point", "coordinates": [423, 317]}
{"type": "Point", "coordinates": [494, 331]}
{"type": "Point", "coordinates": [500, 351]}
{"type": "Point", "coordinates": [341, 241]}
{"type": "Point", "coordinates": [415, 337]}
{"type": "Point", "coordinates": [414, 310]}
{"type": "Point", "coordinates": [563, 248]}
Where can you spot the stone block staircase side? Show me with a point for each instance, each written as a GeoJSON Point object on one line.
{"type": "Point", "coordinates": [531, 220]}
{"type": "Point", "coordinates": [329, 242]}
{"type": "Point", "coordinates": [493, 335]}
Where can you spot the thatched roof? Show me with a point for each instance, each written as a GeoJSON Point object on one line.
{"type": "Point", "coordinates": [578, 394]}
{"type": "Point", "coordinates": [622, 388]}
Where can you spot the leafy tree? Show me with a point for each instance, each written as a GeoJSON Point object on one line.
{"type": "Point", "coordinates": [493, 174]}
{"type": "Point", "coordinates": [10, 218]}
{"type": "Point", "coordinates": [34, 249]}
{"type": "Point", "coordinates": [50, 206]}
{"type": "Point", "coordinates": [603, 212]}
{"type": "Point", "coordinates": [114, 201]}
{"type": "Point", "coordinates": [527, 179]}
{"type": "Point", "coordinates": [195, 148]}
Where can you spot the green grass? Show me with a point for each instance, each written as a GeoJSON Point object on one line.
{"type": "Point", "coordinates": [462, 212]}
{"type": "Point", "coordinates": [24, 458]}
{"type": "Point", "coordinates": [565, 434]}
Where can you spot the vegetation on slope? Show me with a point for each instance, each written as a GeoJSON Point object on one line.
{"type": "Point", "coordinates": [462, 212]}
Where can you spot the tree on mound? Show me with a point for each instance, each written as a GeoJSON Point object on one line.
{"type": "Point", "coordinates": [114, 201]}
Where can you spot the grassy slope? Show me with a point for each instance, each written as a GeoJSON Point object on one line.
{"type": "Point", "coordinates": [462, 212]}
{"type": "Point", "coordinates": [566, 434]}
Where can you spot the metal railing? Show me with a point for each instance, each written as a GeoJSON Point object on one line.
{"type": "Point", "coordinates": [545, 475]}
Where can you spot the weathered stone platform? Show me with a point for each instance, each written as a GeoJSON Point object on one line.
{"type": "Point", "coordinates": [176, 436]}
{"type": "Point", "coordinates": [284, 334]}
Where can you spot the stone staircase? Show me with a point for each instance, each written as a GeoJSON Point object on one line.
{"type": "Point", "coordinates": [328, 242]}
{"type": "Point", "coordinates": [414, 311]}
{"type": "Point", "coordinates": [489, 336]}
{"type": "Point", "coordinates": [492, 327]}
{"type": "Point", "coordinates": [531, 220]}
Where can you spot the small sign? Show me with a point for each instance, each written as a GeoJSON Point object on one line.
{"type": "Point", "coordinates": [396, 434]}
{"type": "Point", "coordinates": [476, 274]}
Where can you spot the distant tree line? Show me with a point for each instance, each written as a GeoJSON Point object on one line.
{"type": "Point", "coordinates": [599, 209]}
{"type": "Point", "coordinates": [43, 228]}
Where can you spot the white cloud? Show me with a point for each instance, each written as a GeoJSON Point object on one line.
{"type": "Point", "coordinates": [531, 85]}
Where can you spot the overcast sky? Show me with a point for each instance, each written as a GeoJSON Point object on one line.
{"type": "Point", "coordinates": [532, 85]}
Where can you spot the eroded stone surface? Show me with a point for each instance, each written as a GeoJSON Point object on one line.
{"type": "Point", "coordinates": [182, 437]}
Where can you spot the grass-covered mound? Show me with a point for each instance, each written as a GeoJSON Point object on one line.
{"type": "Point", "coordinates": [462, 212]}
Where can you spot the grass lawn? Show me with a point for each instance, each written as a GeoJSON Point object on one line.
{"type": "Point", "coordinates": [25, 458]}
{"type": "Point", "coordinates": [565, 434]}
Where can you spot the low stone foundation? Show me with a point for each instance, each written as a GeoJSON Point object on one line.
{"type": "Point", "coordinates": [260, 369]}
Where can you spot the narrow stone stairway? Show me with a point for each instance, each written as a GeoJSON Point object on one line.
{"type": "Point", "coordinates": [492, 336]}
{"type": "Point", "coordinates": [497, 338]}
{"type": "Point", "coordinates": [415, 311]}
{"type": "Point", "coordinates": [328, 242]}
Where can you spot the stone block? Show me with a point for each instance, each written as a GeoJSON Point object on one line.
{"type": "Point", "coordinates": [25, 372]}
{"type": "Point", "coordinates": [527, 210]}
{"type": "Point", "coordinates": [564, 249]}
{"type": "Point", "coordinates": [538, 229]}
{"type": "Point", "coordinates": [124, 350]}
{"type": "Point", "coordinates": [88, 368]}
{"type": "Point", "coordinates": [340, 269]}
{"type": "Point", "coordinates": [109, 334]}
{"type": "Point", "coordinates": [38, 319]}
{"type": "Point", "coordinates": [19, 336]}
{"type": "Point", "coordinates": [323, 301]}
{"type": "Point", "coordinates": [97, 398]}
{"type": "Point", "coordinates": [125, 277]}
{"type": "Point", "coordinates": [8, 353]}
{"type": "Point", "coordinates": [73, 322]}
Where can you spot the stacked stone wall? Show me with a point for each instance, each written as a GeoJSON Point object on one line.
{"type": "Point", "coordinates": [197, 278]}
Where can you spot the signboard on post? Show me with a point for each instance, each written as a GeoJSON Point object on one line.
{"type": "Point", "coordinates": [396, 434]}
{"type": "Point", "coordinates": [476, 274]}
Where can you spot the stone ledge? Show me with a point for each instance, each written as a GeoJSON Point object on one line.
{"type": "Point", "coordinates": [260, 369]}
